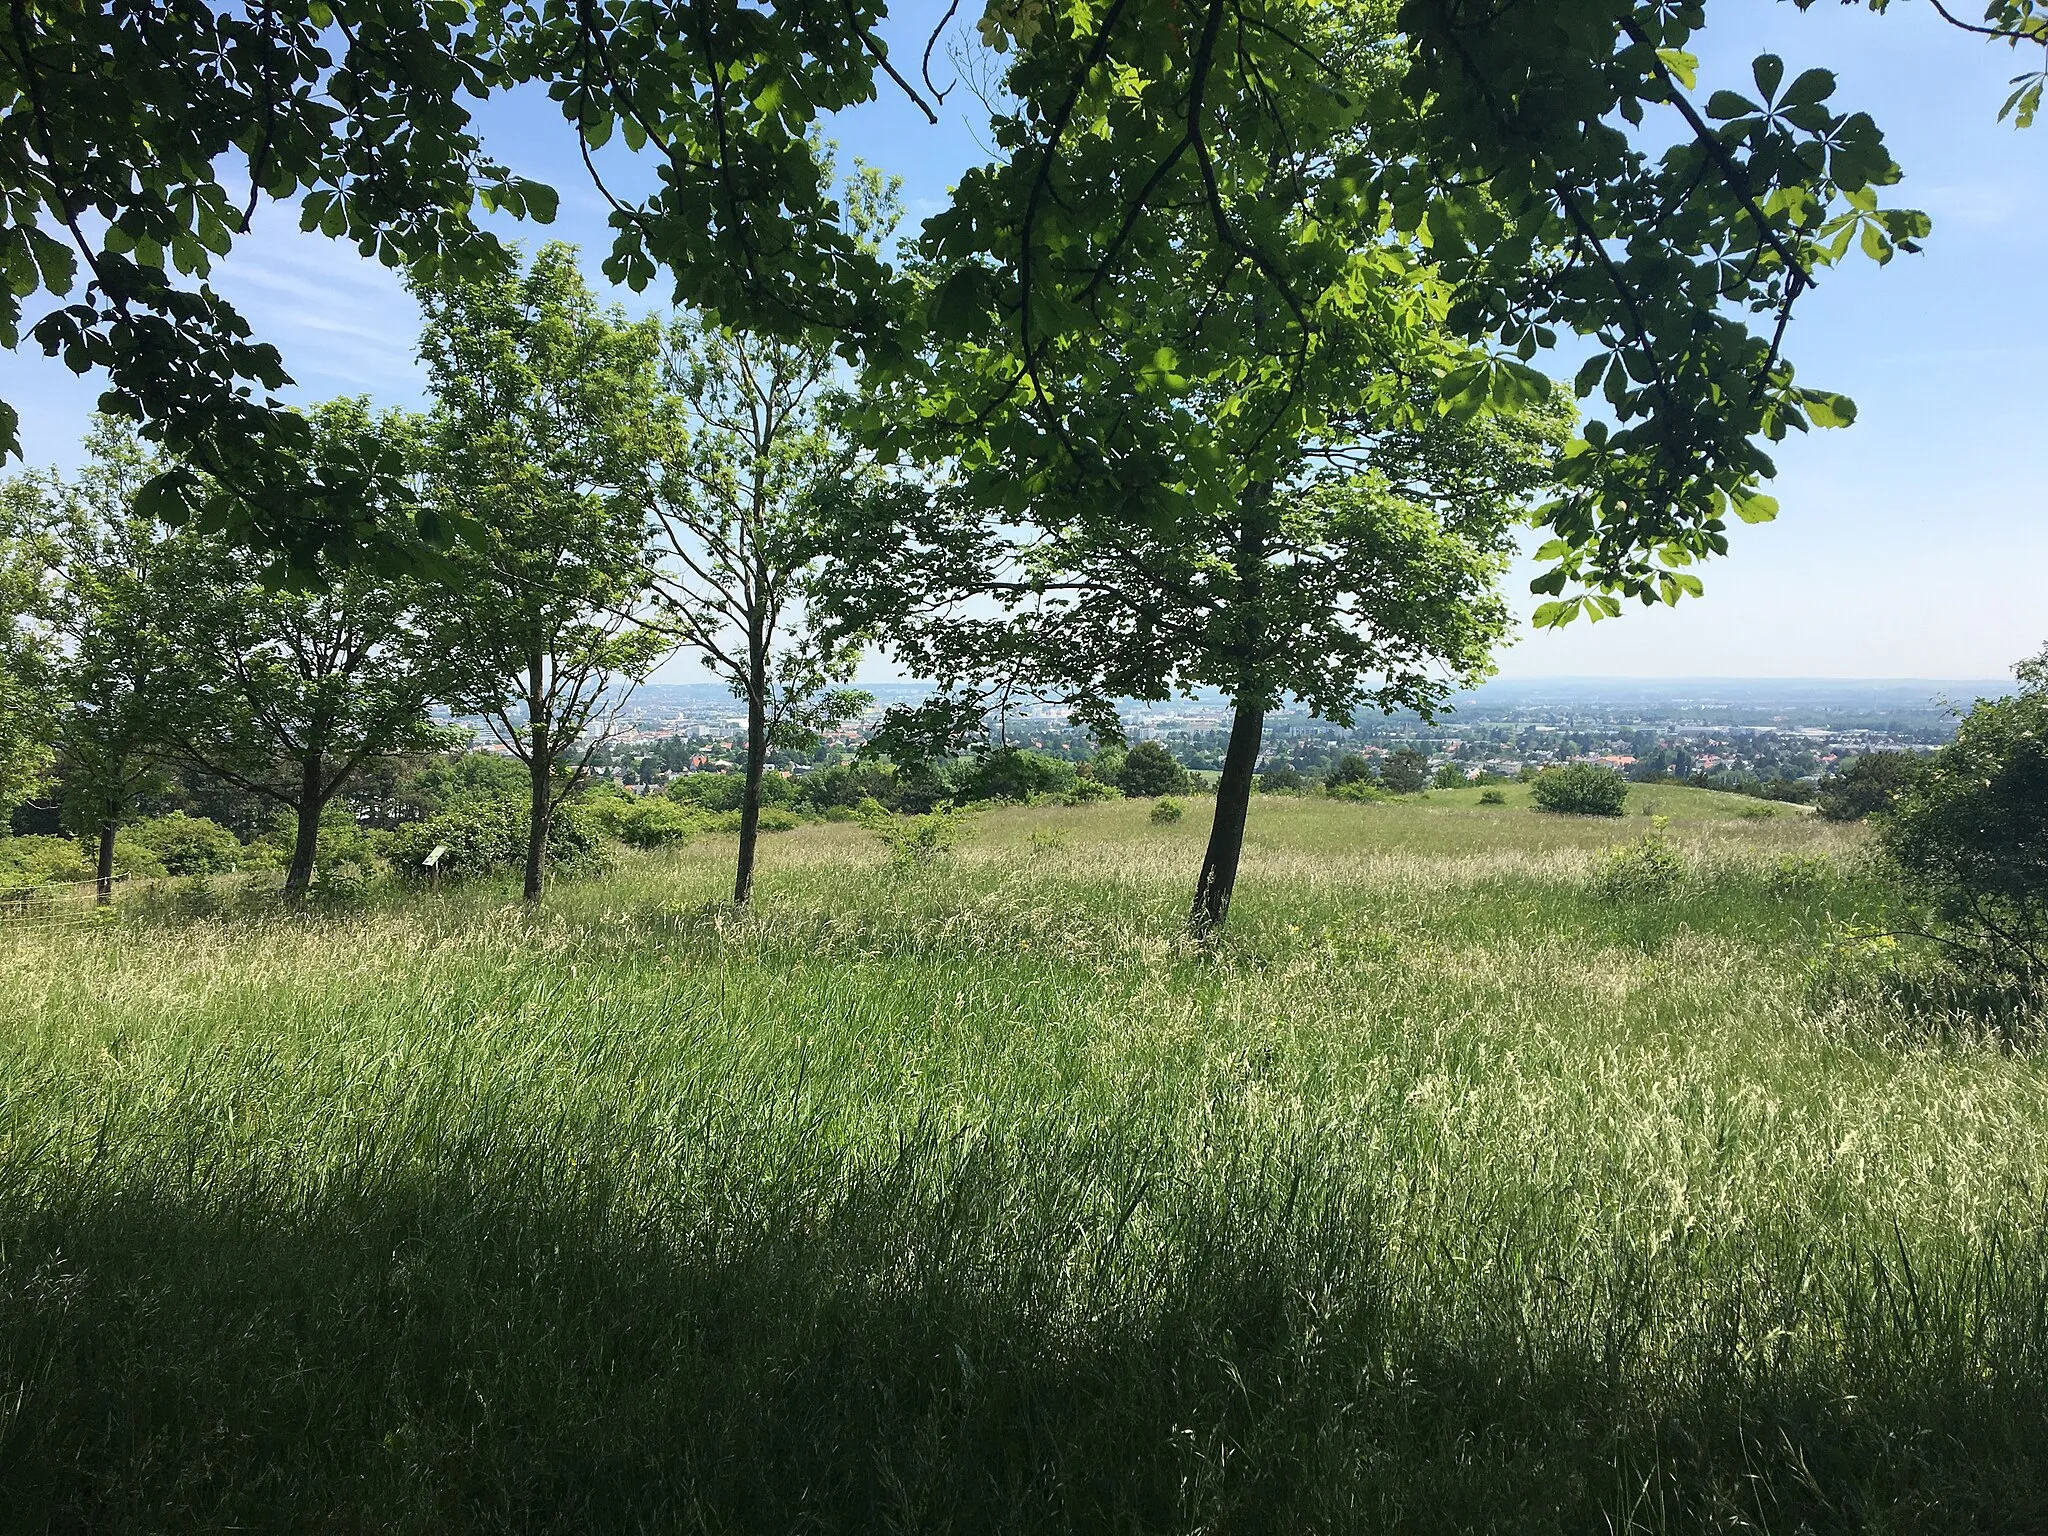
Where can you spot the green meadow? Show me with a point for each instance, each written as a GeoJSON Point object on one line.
{"type": "Point", "coordinates": [1477, 1179]}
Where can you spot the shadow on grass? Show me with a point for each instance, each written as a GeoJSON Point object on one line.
{"type": "Point", "coordinates": [438, 1359]}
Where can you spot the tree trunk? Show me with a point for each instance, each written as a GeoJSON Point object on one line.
{"type": "Point", "coordinates": [298, 879]}
{"type": "Point", "coordinates": [104, 871]}
{"type": "Point", "coordinates": [750, 795]}
{"type": "Point", "coordinates": [1226, 832]}
{"type": "Point", "coordinates": [540, 766]}
{"type": "Point", "coordinates": [540, 811]}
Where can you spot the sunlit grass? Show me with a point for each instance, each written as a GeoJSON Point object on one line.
{"type": "Point", "coordinates": [1445, 1193]}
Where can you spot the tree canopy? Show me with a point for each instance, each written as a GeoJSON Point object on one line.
{"type": "Point", "coordinates": [140, 141]}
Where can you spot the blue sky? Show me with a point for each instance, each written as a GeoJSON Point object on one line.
{"type": "Point", "coordinates": [1910, 545]}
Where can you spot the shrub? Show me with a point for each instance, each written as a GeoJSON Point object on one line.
{"type": "Point", "coordinates": [1166, 812]}
{"type": "Point", "coordinates": [1405, 772]}
{"type": "Point", "coordinates": [1013, 773]}
{"type": "Point", "coordinates": [1646, 870]}
{"type": "Point", "coordinates": [188, 845]}
{"type": "Point", "coordinates": [1361, 791]}
{"type": "Point", "coordinates": [481, 836]}
{"type": "Point", "coordinates": [845, 785]}
{"type": "Point", "coordinates": [1967, 840]}
{"type": "Point", "coordinates": [1492, 797]}
{"type": "Point", "coordinates": [132, 860]}
{"type": "Point", "coordinates": [916, 842]}
{"type": "Point", "coordinates": [1450, 776]}
{"type": "Point", "coordinates": [1867, 785]}
{"type": "Point", "coordinates": [27, 862]}
{"type": "Point", "coordinates": [712, 791]}
{"type": "Point", "coordinates": [656, 822]}
{"type": "Point", "coordinates": [1148, 770]}
{"type": "Point", "coordinates": [1087, 791]}
{"type": "Point", "coordinates": [1580, 789]}
{"type": "Point", "coordinates": [1351, 768]}
{"type": "Point", "coordinates": [1281, 779]}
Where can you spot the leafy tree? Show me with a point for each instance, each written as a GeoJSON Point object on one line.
{"type": "Point", "coordinates": [292, 691]}
{"type": "Point", "coordinates": [741, 542]}
{"type": "Point", "coordinates": [1351, 768]}
{"type": "Point", "coordinates": [1150, 770]}
{"type": "Point", "coordinates": [1867, 785]}
{"type": "Point", "coordinates": [189, 845]}
{"type": "Point", "coordinates": [542, 424]}
{"type": "Point", "coordinates": [1580, 789]}
{"type": "Point", "coordinates": [1281, 779]}
{"type": "Point", "coordinates": [1551, 161]}
{"type": "Point", "coordinates": [1405, 772]}
{"type": "Point", "coordinates": [27, 697]}
{"type": "Point", "coordinates": [1014, 773]}
{"type": "Point", "coordinates": [114, 673]}
{"type": "Point", "coordinates": [1208, 461]}
{"type": "Point", "coordinates": [358, 113]}
{"type": "Point", "coordinates": [1450, 776]}
{"type": "Point", "coordinates": [1968, 835]}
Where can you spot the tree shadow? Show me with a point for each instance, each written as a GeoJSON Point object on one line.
{"type": "Point", "coordinates": [442, 1357]}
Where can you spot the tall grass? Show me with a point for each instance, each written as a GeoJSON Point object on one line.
{"type": "Point", "coordinates": [1449, 1192]}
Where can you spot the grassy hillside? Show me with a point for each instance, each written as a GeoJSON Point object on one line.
{"type": "Point", "coordinates": [1477, 1180]}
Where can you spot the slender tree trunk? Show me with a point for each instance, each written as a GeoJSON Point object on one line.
{"type": "Point", "coordinates": [104, 871]}
{"type": "Point", "coordinates": [757, 765]}
{"type": "Point", "coordinates": [298, 878]}
{"type": "Point", "coordinates": [1226, 832]}
{"type": "Point", "coordinates": [541, 767]}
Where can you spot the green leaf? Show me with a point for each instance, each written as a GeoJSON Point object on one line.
{"type": "Point", "coordinates": [1754, 506]}
{"type": "Point", "coordinates": [1768, 69]}
{"type": "Point", "coordinates": [1726, 104]}
{"type": "Point", "coordinates": [1811, 88]}
{"type": "Point", "coordinates": [1684, 67]}
{"type": "Point", "coordinates": [1825, 409]}
{"type": "Point", "coordinates": [1555, 615]}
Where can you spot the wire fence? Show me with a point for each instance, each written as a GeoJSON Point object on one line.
{"type": "Point", "coordinates": [56, 906]}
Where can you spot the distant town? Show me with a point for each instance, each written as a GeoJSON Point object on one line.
{"type": "Point", "coordinates": [1732, 733]}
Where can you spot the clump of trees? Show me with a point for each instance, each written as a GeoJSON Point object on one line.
{"type": "Point", "coordinates": [1221, 372]}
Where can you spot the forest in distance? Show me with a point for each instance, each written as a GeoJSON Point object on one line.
{"type": "Point", "coordinates": [1211, 1055]}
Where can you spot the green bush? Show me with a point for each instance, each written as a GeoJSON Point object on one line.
{"type": "Point", "coordinates": [1867, 785]}
{"type": "Point", "coordinates": [1166, 812]}
{"type": "Point", "coordinates": [712, 791]}
{"type": "Point", "coordinates": [1580, 789]}
{"type": "Point", "coordinates": [845, 785]}
{"type": "Point", "coordinates": [1281, 779]}
{"type": "Point", "coordinates": [27, 862]}
{"type": "Point", "coordinates": [1360, 791]}
{"type": "Point", "coordinates": [1087, 791]}
{"type": "Point", "coordinates": [1149, 770]}
{"type": "Point", "coordinates": [1646, 870]}
{"type": "Point", "coordinates": [1351, 768]}
{"type": "Point", "coordinates": [916, 842]}
{"type": "Point", "coordinates": [1967, 840]}
{"type": "Point", "coordinates": [655, 822]}
{"type": "Point", "coordinates": [481, 836]}
{"type": "Point", "coordinates": [188, 845]}
{"type": "Point", "coordinates": [1013, 773]}
{"type": "Point", "coordinates": [1492, 797]}
{"type": "Point", "coordinates": [1450, 776]}
{"type": "Point", "coordinates": [1405, 772]}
